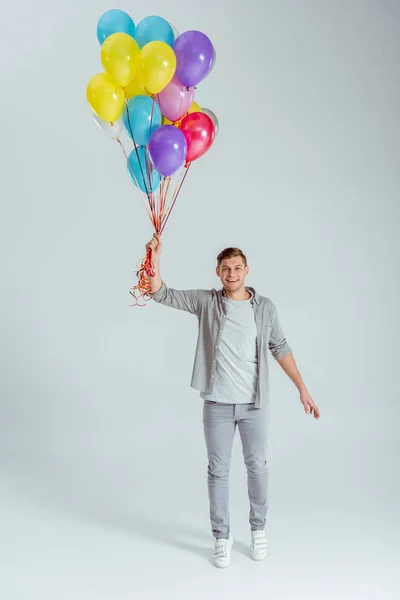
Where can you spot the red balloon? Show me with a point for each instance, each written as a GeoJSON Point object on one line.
{"type": "Point", "coordinates": [199, 132]}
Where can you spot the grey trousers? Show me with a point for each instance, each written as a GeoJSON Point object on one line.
{"type": "Point", "coordinates": [220, 422]}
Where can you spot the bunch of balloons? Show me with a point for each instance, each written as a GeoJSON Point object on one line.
{"type": "Point", "coordinates": [148, 87]}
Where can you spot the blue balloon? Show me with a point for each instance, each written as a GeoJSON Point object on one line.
{"type": "Point", "coordinates": [114, 21]}
{"type": "Point", "coordinates": [154, 29]}
{"type": "Point", "coordinates": [142, 117]}
{"type": "Point", "coordinates": [138, 171]}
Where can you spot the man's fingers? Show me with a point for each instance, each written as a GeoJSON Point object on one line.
{"type": "Point", "coordinates": [315, 410]}
{"type": "Point", "coordinates": [151, 246]}
{"type": "Point", "coordinates": [311, 409]}
{"type": "Point", "coordinates": [155, 242]}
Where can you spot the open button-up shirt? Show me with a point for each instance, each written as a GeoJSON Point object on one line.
{"type": "Point", "coordinates": [209, 307]}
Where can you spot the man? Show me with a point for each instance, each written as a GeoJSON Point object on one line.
{"type": "Point", "coordinates": [237, 329]}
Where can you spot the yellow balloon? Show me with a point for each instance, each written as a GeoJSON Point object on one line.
{"type": "Point", "coordinates": [193, 108]}
{"type": "Point", "coordinates": [120, 57]}
{"type": "Point", "coordinates": [158, 66]}
{"type": "Point", "coordinates": [166, 121]}
{"type": "Point", "coordinates": [136, 88]}
{"type": "Point", "coordinates": [105, 97]}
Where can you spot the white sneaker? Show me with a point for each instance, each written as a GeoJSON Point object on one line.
{"type": "Point", "coordinates": [222, 552]}
{"type": "Point", "coordinates": [258, 547]}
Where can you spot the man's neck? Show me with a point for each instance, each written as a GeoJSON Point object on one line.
{"type": "Point", "coordinates": [239, 295]}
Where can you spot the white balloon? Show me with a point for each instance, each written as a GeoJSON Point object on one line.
{"type": "Point", "coordinates": [114, 130]}
{"type": "Point", "coordinates": [176, 32]}
{"type": "Point", "coordinates": [213, 118]}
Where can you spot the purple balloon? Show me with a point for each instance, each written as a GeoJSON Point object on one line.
{"type": "Point", "coordinates": [167, 149]}
{"type": "Point", "coordinates": [195, 56]}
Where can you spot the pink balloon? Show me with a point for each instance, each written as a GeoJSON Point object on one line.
{"type": "Point", "coordinates": [175, 100]}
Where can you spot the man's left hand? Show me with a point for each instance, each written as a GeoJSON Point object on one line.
{"type": "Point", "coordinates": [309, 405]}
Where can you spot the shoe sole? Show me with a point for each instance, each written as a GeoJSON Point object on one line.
{"type": "Point", "coordinates": [225, 566]}
{"type": "Point", "coordinates": [258, 558]}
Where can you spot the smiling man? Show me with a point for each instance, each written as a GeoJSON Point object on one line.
{"type": "Point", "coordinates": [238, 328]}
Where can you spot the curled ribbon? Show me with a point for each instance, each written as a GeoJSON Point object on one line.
{"type": "Point", "coordinates": [141, 292]}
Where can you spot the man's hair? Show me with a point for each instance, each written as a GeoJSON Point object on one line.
{"type": "Point", "coordinates": [231, 253]}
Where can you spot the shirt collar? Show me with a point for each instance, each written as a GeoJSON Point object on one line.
{"type": "Point", "coordinates": [254, 296]}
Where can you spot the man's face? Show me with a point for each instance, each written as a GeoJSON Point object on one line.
{"type": "Point", "coordinates": [232, 273]}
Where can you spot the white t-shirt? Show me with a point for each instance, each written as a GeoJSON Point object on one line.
{"type": "Point", "coordinates": [235, 380]}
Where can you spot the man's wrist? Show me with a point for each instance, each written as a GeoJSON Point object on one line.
{"type": "Point", "coordinates": [302, 388]}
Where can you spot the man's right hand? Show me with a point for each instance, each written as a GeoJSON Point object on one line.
{"type": "Point", "coordinates": [155, 245]}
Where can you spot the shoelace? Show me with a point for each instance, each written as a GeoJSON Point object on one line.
{"type": "Point", "coordinates": [220, 548]}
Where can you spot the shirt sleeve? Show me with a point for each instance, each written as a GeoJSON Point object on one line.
{"type": "Point", "coordinates": [186, 300]}
{"type": "Point", "coordinates": [277, 342]}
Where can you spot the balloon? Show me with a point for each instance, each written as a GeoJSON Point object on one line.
{"type": "Point", "coordinates": [142, 117]}
{"type": "Point", "coordinates": [195, 56]}
{"type": "Point", "coordinates": [167, 149]}
{"type": "Point", "coordinates": [136, 88]}
{"type": "Point", "coordinates": [105, 97]}
{"type": "Point", "coordinates": [114, 21]}
{"type": "Point", "coordinates": [193, 108]}
{"type": "Point", "coordinates": [213, 118]}
{"type": "Point", "coordinates": [141, 170]}
{"type": "Point", "coordinates": [120, 57]}
{"type": "Point", "coordinates": [176, 32]}
{"type": "Point", "coordinates": [158, 65]}
{"type": "Point", "coordinates": [114, 130]}
{"type": "Point", "coordinates": [152, 29]}
{"type": "Point", "coordinates": [213, 60]}
{"type": "Point", "coordinates": [175, 100]}
{"type": "Point", "coordinates": [199, 132]}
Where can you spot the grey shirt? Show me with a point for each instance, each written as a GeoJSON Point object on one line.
{"type": "Point", "coordinates": [209, 307]}
{"type": "Point", "coordinates": [235, 380]}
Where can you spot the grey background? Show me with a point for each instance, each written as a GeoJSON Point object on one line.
{"type": "Point", "coordinates": [103, 467]}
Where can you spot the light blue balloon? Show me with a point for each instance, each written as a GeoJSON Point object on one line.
{"type": "Point", "coordinates": [114, 21]}
{"type": "Point", "coordinates": [152, 29]}
{"type": "Point", "coordinates": [139, 175]}
{"type": "Point", "coordinates": [144, 118]}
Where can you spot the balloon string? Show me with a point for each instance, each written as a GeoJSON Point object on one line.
{"type": "Point", "coordinates": [143, 289]}
{"type": "Point", "coordinates": [163, 199]}
{"type": "Point", "coordinates": [141, 292]}
{"type": "Point", "coordinates": [149, 168]}
{"type": "Point", "coordinates": [158, 208]}
{"type": "Point", "coordinates": [135, 145]}
{"type": "Point", "coordinates": [143, 196]}
{"type": "Point", "coordinates": [152, 113]}
{"type": "Point", "coordinates": [175, 196]}
{"type": "Point", "coordinates": [172, 196]}
{"type": "Point", "coordinates": [151, 198]}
